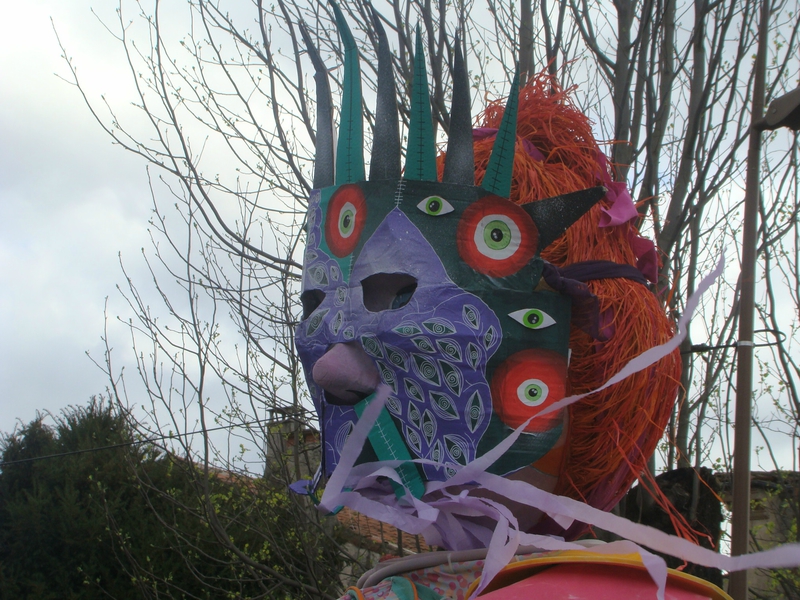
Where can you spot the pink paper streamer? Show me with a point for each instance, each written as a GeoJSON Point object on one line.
{"type": "Point", "coordinates": [646, 255]}
{"type": "Point", "coordinates": [621, 209]}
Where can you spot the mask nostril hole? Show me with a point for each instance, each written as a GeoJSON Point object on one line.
{"type": "Point", "coordinates": [403, 296]}
{"type": "Point", "coordinates": [387, 291]}
{"type": "Point", "coordinates": [311, 299]}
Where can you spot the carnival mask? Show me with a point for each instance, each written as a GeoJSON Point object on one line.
{"type": "Point", "coordinates": [435, 289]}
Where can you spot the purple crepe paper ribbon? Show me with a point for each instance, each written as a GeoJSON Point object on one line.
{"type": "Point", "coordinates": [453, 519]}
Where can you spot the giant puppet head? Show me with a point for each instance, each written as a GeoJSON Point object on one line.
{"type": "Point", "coordinates": [434, 288]}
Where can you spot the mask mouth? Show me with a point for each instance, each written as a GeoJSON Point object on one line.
{"type": "Point", "coordinates": [388, 291]}
{"type": "Point", "coordinates": [351, 398]}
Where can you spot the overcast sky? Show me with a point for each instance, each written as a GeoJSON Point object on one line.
{"type": "Point", "coordinates": [70, 202]}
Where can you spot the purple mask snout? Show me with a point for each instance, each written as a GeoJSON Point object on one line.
{"type": "Point", "coordinates": [346, 374]}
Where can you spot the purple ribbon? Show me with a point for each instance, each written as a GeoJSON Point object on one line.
{"type": "Point", "coordinates": [459, 521]}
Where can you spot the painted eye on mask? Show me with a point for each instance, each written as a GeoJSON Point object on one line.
{"type": "Point", "coordinates": [526, 383]}
{"type": "Point", "coordinates": [496, 237]}
{"type": "Point", "coordinates": [533, 392]}
{"type": "Point", "coordinates": [532, 318]}
{"type": "Point", "coordinates": [347, 213]}
{"type": "Point", "coordinates": [435, 206]}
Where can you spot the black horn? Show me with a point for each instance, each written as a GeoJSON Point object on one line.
{"type": "Point", "coordinates": [459, 164]}
{"type": "Point", "coordinates": [553, 216]}
{"type": "Point", "coordinates": [324, 155]}
{"type": "Point", "coordinates": [385, 159]}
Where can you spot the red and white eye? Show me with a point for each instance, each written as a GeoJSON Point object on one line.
{"type": "Point", "coordinates": [527, 383]}
{"type": "Point", "coordinates": [347, 213]}
{"type": "Point", "coordinates": [496, 237]}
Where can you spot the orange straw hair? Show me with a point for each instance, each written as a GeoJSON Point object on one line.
{"type": "Point", "coordinates": [614, 432]}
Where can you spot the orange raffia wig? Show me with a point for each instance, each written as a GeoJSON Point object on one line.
{"type": "Point", "coordinates": [611, 433]}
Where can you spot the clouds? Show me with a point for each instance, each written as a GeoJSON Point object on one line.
{"type": "Point", "coordinates": [69, 203]}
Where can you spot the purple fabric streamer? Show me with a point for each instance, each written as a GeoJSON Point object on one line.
{"type": "Point", "coordinates": [589, 270]}
{"type": "Point", "coordinates": [447, 515]}
{"type": "Point", "coordinates": [654, 354]}
{"type": "Point", "coordinates": [571, 281]}
{"type": "Point", "coordinates": [585, 305]}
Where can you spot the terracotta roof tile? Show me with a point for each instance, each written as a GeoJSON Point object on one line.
{"type": "Point", "coordinates": [374, 531]}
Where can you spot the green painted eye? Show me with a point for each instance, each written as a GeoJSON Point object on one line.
{"type": "Point", "coordinates": [497, 235]}
{"type": "Point", "coordinates": [347, 220]}
{"type": "Point", "coordinates": [532, 392]}
{"type": "Point", "coordinates": [532, 318]}
{"type": "Point", "coordinates": [435, 206]}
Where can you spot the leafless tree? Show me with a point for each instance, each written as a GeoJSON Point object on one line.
{"type": "Point", "coordinates": [226, 122]}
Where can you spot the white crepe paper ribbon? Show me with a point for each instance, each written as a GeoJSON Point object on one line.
{"type": "Point", "coordinates": [460, 521]}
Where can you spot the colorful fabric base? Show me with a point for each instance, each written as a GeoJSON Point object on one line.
{"type": "Point", "coordinates": [459, 580]}
{"type": "Point", "coordinates": [450, 581]}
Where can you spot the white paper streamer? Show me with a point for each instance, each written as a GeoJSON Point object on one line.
{"type": "Point", "coordinates": [453, 520]}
